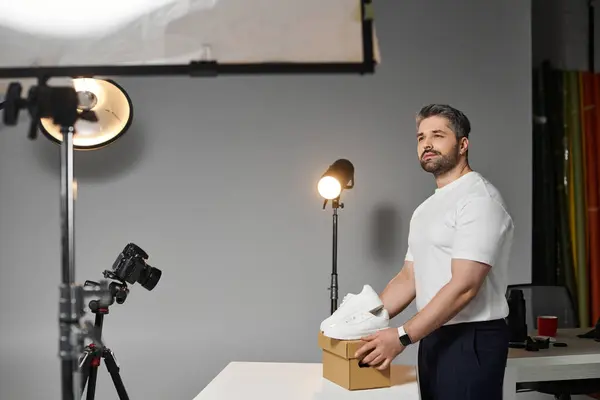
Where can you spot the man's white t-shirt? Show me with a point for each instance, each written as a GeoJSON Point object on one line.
{"type": "Point", "coordinates": [465, 219]}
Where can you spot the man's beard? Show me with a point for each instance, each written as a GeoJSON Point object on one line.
{"type": "Point", "coordinates": [441, 163]}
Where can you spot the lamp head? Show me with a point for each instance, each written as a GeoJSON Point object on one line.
{"type": "Point", "coordinates": [110, 103]}
{"type": "Point", "coordinates": [338, 177]}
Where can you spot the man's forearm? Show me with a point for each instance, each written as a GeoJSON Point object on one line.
{"type": "Point", "coordinates": [443, 307]}
{"type": "Point", "coordinates": [398, 294]}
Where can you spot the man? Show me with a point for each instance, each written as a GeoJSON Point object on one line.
{"type": "Point", "coordinates": [456, 269]}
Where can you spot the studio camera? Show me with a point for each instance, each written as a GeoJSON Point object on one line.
{"type": "Point", "coordinates": [131, 266]}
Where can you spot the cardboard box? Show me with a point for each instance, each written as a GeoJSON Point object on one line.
{"type": "Point", "coordinates": [340, 366]}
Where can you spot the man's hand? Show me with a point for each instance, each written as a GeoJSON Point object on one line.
{"type": "Point", "coordinates": [380, 348]}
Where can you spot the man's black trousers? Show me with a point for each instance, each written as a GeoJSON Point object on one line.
{"type": "Point", "coordinates": [464, 361]}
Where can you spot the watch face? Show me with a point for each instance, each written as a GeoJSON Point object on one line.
{"type": "Point", "coordinates": [405, 340]}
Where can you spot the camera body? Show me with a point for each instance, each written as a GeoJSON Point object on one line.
{"type": "Point", "coordinates": [131, 266]}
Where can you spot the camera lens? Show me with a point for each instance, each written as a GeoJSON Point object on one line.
{"type": "Point", "coordinates": [150, 277]}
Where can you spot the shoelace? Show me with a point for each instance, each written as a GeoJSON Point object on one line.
{"type": "Point", "coordinates": [360, 317]}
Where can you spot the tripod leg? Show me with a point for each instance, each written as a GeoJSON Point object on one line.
{"type": "Point", "coordinates": [113, 369]}
{"type": "Point", "coordinates": [94, 355]}
{"type": "Point", "coordinates": [92, 373]}
{"type": "Point", "coordinates": [84, 367]}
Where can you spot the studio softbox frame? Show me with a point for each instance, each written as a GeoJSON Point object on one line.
{"type": "Point", "coordinates": [198, 38]}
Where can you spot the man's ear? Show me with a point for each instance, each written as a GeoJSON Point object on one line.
{"type": "Point", "coordinates": [464, 145]}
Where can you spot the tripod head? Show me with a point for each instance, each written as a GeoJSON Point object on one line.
{"type": "Point", "coordinates": [60, 103]}
{"type": "Point", "coordinates": [335, 203]}
{"type": "Point", "coordinates": [118, 292]}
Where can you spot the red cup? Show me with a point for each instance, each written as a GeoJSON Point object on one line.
{"type": "Point", "coordinates": [547, 325]}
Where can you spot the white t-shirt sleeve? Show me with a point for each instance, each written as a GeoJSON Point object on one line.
{"type": "Point", "coordinates": [408, 256]}
{"type": "Point", "coordinates": [481, 228]}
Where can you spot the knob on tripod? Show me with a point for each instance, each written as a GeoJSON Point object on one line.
{"type": "Point", "coordinates": [13, 103]}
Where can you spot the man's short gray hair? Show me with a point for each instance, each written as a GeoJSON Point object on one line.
{"type": "Point", "coordinates": [459, 123]}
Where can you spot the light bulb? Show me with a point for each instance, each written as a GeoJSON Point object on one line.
{"type": "Point", "coordinates": [329, 187]}
{"type": "Point", "coordinates": [110, 104]}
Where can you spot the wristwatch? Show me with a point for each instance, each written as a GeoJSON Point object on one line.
{"type": "Point", "coordinates": [404, 338]}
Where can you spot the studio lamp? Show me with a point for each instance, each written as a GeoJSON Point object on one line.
{"type": "Point", "coordinates": [112, 107]}
{"type": "Point", "coordinates": [338, 177]}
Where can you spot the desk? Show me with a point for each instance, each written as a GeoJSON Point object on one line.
{"type": "Point", "coordinates": [579, 360]}
{"type": "Point", "coordinates": [304, 381]}
{"type": "Point", "coordinates": [299, 381]}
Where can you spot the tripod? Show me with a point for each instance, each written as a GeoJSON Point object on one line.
{"type": "Point", "coordinates": [92, 354]}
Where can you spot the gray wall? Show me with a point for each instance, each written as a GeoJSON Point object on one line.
{"type": "Point", "coordinates": [217, 182]}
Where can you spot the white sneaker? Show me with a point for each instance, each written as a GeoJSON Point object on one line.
{"type": "Point", "coordinates": [367, 300]}
{"type": "Point", "coordinates": [359, 325]}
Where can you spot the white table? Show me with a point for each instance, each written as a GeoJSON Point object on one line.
{"type": "Point", "coordinates": [302, 381]}
{"type": "Point", "coordinates": [579, 360]}
{"type": "Point", "coordinates": [299, 381]}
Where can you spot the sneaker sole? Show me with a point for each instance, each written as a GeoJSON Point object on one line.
{"type": "Point", "coordinates": [374, 308]}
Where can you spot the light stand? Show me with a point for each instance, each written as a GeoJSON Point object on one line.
{"type": "Point", "coordinates": [61, 105]}
{"type": "Point", "coordinates": [335, 204]}
{"type": "Point", "coordinates": [338, 177]}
